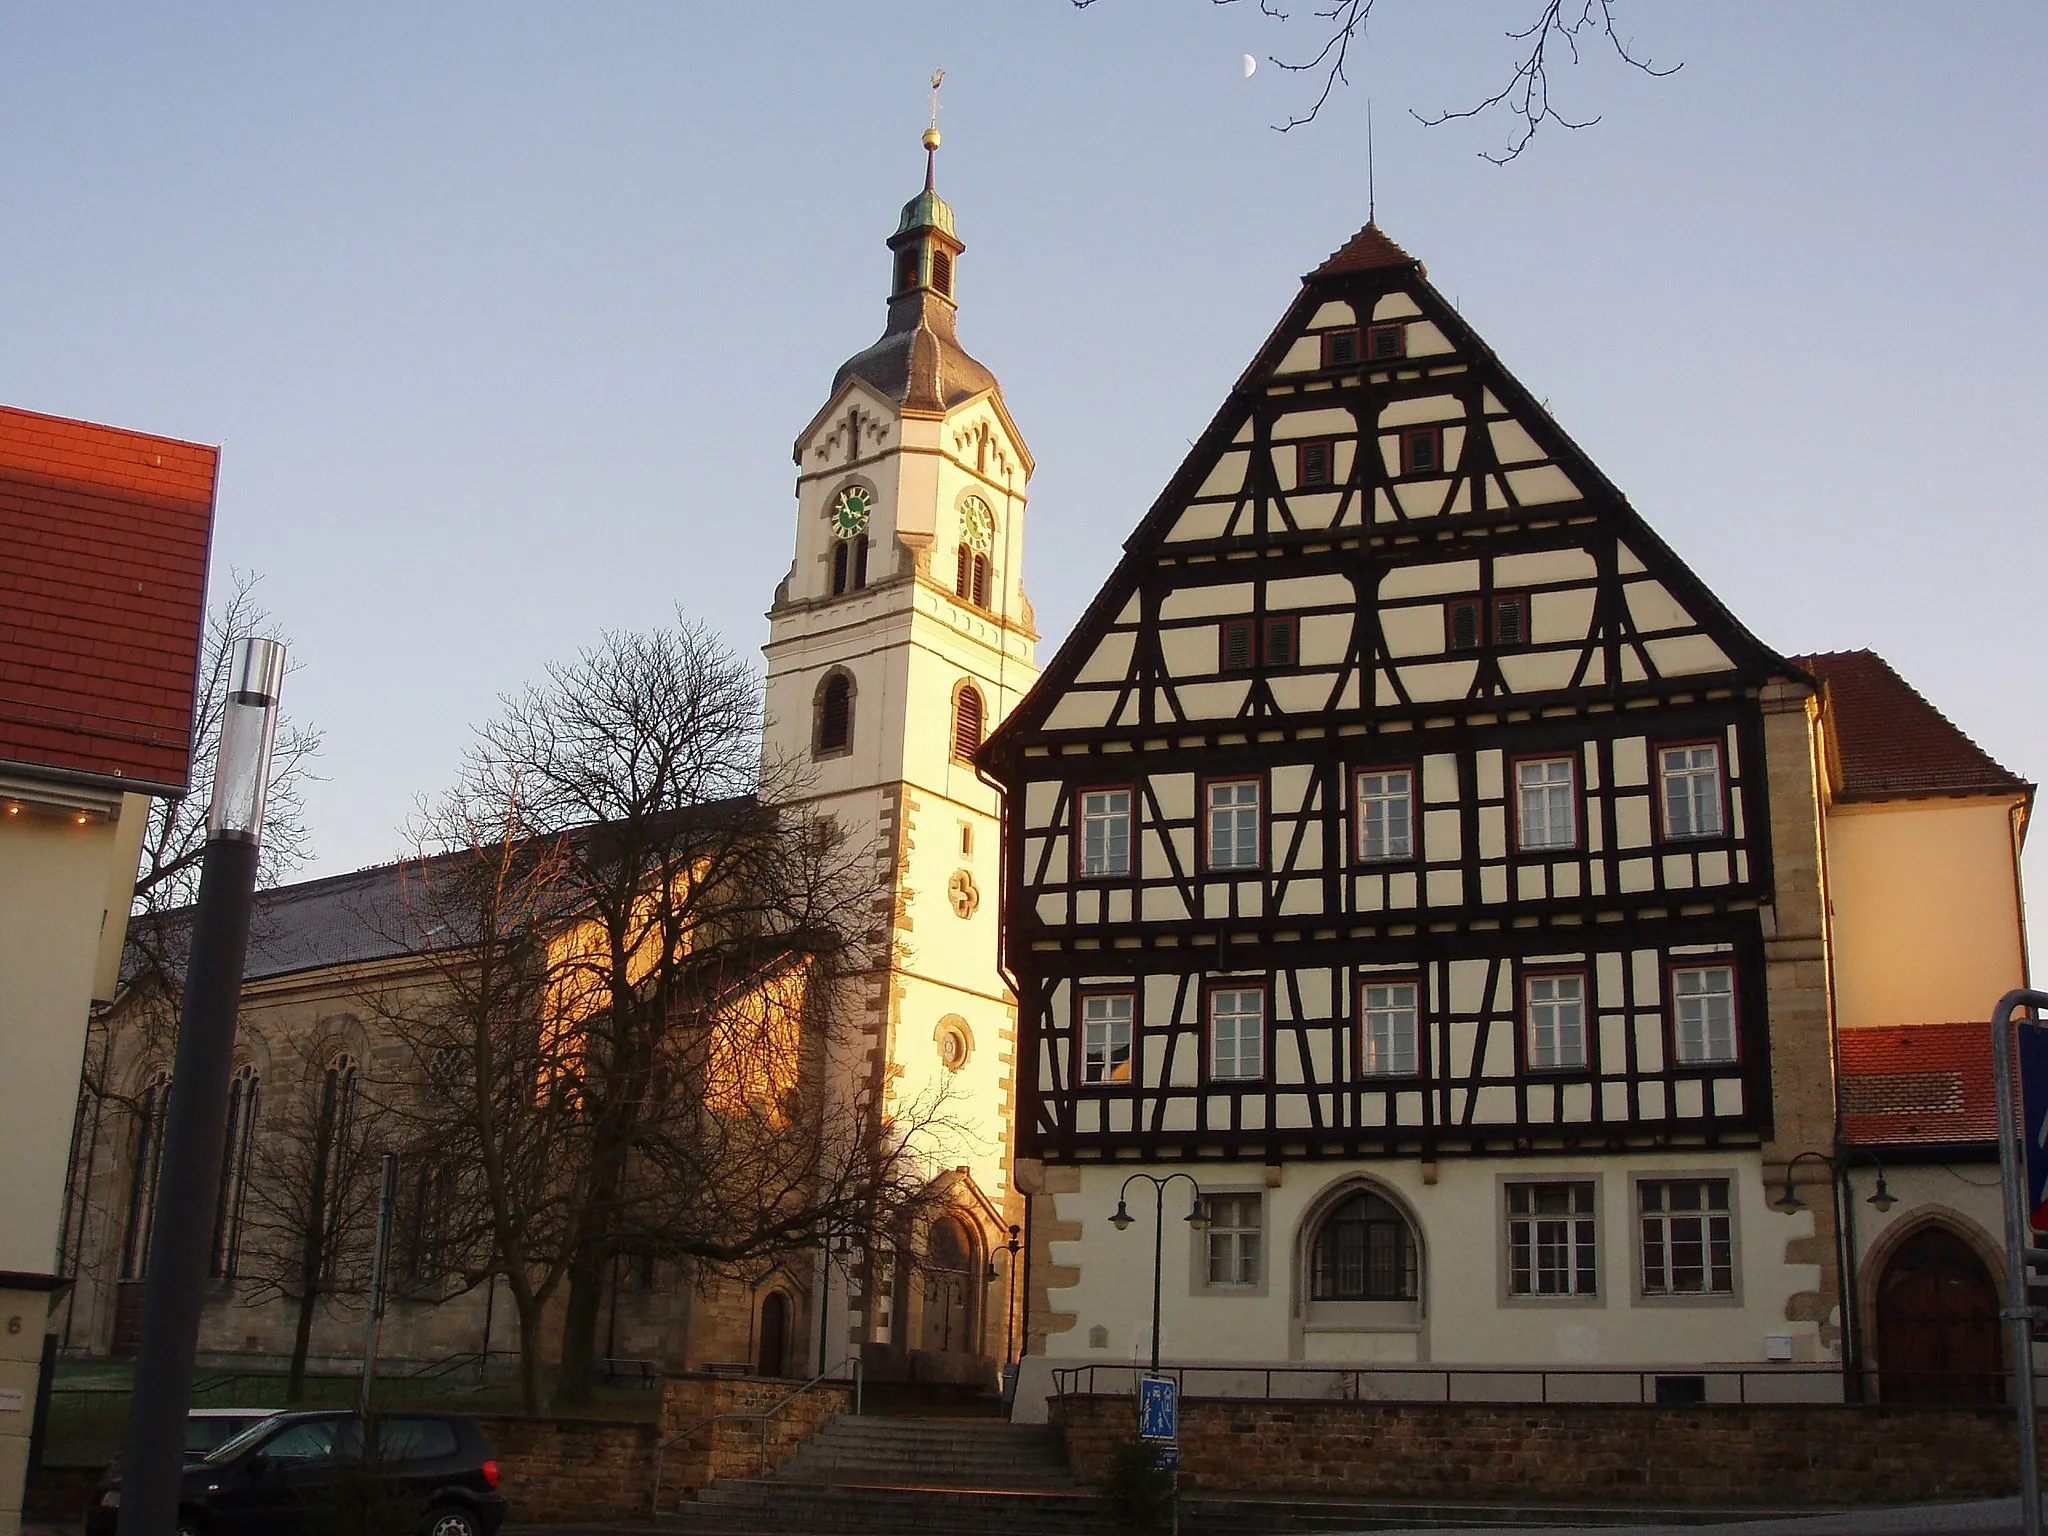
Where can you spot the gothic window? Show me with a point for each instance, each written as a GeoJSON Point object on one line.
{"type": "Point", "coordinates": [1551, 1240]}
{"type": "Point", "coordinates": [1106, 1023]}
{"type": "Point", "coordinates": [334, 1149]}
{"type": "Point", "coordinates": [1364, 1251]}
{"type": "Point", "coordinates": [426, 1221]}
{"type": "Point", "coordinates": [1390, 1032]}
{"type": "Point", "coordinates": [1703, 1014]}
{"type": "Point", "coordinates": [229, 1204]}
{"type": "Point", "coordinates": [147, 1138]}
{"type": "Point", "coordinates": [1546, 803]}
{"type": "Point", "coordinates": [1105, 845]}
{"type": "Point", "coordinates": [1232, 840]}
{"type": "Point", "coordinates": [1237, 1033]}
{"type": "Point", "coordinates": [834, 732]}
{"type": "Point", "coordinates": [967, 722]}
{"type": "Point", "coordinates": [1386, 815]}
{"type": "Point", "coordinates": [1692, 790]}
{"type": "Point", "coordinates": [1555, 1015]}
{"type": "Point", "coordinates": [849, 565]}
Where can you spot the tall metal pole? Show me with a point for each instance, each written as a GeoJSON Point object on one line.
{"type": "Point", "coordinates": [1158, 1247]}
{"type": "Point", "coordinates": [2013, 1186]}
{"type": "Point", "coordinates": [195, 1122]}
{"type": "Point", "coordinates": [380, 1262]}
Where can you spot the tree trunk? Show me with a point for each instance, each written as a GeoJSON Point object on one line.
{"type": "Point", "coordinates": [580, 1315]}
{"type": "Point", "coordinates": [302, 1340]}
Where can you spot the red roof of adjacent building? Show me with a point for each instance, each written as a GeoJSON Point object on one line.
{"type": "Point", "coordinates": [1364, 252]}
{"type": "Point", "coordinates": [104, 537]}
{"type": "Point", "coordinates": [1890, 743]}
{"type": "Point", "coordinates": [1920, 1084]}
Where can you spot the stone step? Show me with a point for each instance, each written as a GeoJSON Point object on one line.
{"type": "Point", "coordinates": [771, 1506]}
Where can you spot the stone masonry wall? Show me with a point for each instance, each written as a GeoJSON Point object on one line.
{"type": "Point", "coordinates": [732, 1447]}
{"type": "Point", "coordinates": [562, 1469]}
{"type": "Point", "coordinates": [1710, 1455]}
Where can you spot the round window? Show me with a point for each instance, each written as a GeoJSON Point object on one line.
{"type": "Point", "coordinates": [955, 1045]}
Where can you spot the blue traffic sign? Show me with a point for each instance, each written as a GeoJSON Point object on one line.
{"type": "Point", "coordinates": [2033, 1044]}
{"type": "Point", "coordinates": [1158, 1408]}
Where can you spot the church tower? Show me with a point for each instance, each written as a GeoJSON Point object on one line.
{"type": "Point", "coordinates": [900, 637]}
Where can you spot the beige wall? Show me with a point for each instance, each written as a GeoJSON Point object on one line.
{"type": "Point", "coordinates": [1926, 910]}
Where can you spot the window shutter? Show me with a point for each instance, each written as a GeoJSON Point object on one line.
{"type": "Point", "coordinates": [1280, 642]}
{"type": "Point", "coordinates": [1340, 348]}
{"type": "Point", "coordinates": [1510, 621]}
{"type": "Point", "coordinates": [966, 723]}
{"type": "Point", "coordinates": [942, 272]}
{"type": "Point", "coordinates": [835, 715]}
{"type": "Point", "coordinates": [1464, 626]}
{"type": "Point", "coordinates": [1315, 463]}
{"type": "Point", "coordinates": [981, 581]}
{"type": "Point", "coordinates": [1237, 645]}
{"type": "Point", "coordinates": [1389, 341]}
{"type": "Point", "coordinates": [963, 573]}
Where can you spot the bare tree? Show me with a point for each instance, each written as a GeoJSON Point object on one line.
{"type": "Point", "coordinates": [1557, 27]}
{"type": "Point", "coordinates": [312, 1195]}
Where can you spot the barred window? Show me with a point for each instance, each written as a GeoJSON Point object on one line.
{"type": "Point", "coordinates": [1364, 1251]}
{"type": "Point", "coordinates": [1688, 1237]}
{"type": "Point", "coordinates": [1551, 1240]}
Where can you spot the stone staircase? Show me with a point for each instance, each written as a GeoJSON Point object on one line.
{"type": "Point", "coordinates": [938, 1477]}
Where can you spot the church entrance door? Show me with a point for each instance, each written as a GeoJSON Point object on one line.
{"type": "Point", "coordinates": [774, 1333]}
{"type": "Point", "coordinates": [948, 1293]}
{"type": "Point", "coordinates": [1937, 1324]}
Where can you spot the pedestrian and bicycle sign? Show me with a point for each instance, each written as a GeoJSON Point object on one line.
{"type": "Point", "coordinates": [1158, 1408]}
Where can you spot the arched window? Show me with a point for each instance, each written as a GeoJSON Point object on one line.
{"type": "Point", "coordinates": [835, 715]}
{"type": "Point", "coordinates": [148, 1141]}
{"type": "Point", "coordinates": [1364, 1251]}
{"type": "Point", "coordinates": [335, 1156]}
{"type": "Point", "coordinates": [967, 722]}
{"type": "Point", "coordinates": [849, 565]}
{"type": "Point", "coordinates": [970, 576]}
{"type": "Point", "coordinates": [239, 1147]}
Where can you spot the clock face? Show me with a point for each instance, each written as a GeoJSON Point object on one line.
{"type": "Point", "coordinates": [977, 525]}
{"type": "Point", "coordinates": [850, 512]}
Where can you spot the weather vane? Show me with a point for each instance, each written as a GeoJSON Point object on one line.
{"type": "Point", "coordinates": [931, 134]}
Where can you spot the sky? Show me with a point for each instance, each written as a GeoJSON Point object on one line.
{"type": "Point", "coordinates": [506, 315]}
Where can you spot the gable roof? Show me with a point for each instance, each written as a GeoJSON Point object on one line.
{"type": "Point", "coordinates": [1887, 742]}
{"type": "Point", "coordinates": [104, 536]}
{"type": "Point", "coordinates": [1367, 265]}
{"type": "Point", "coordinates": [1919, 1085]}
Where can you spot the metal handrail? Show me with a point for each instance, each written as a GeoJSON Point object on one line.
{"type": "Point", "coordinates": [1352, 1380]}
{"type": "Point", "coordinates": [762, 1415]}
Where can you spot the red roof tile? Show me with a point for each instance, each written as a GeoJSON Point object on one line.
{"type": "Point", "coordinates": [1365, 251]}
{"type": "Point", "coordinates": [1917, 1085]}
{"type": "Point", "coordinates": [1887, 742]}
{"type": "Point", "coordinates": [104, 537]}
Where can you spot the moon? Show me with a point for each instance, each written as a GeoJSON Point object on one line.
{"type": "Point", "coordinates": [1250, 66]}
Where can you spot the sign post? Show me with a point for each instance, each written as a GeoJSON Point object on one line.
{"type": "Point", "coordinates": [1159, 1423]}
{"type": "Point", "coordinates": [2023, 1179]}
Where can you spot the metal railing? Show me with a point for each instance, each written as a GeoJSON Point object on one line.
{"type": "Point", "coordinates": [1669, 1385]}
{"type": "Point", "coordinates": [763, 1416]}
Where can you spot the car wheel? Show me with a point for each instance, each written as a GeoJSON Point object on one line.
{"type": "Point", "coordinates": [453, 1522]}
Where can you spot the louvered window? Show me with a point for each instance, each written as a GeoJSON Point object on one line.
{"type": "Point", "coordinates": [967, 723]}
{"type": "Point", "coordinates": [942, 272]}
{"type": "Point", "coordinates": [1317, 463]}
{"type": "Point", "coordinates": [1511, 621]}
{"type": "Point", "coordinates": [970, 576]}
{"type": "Point", "coordinates": [1340, 349]}
{"type": "Point", "coordinates": [835, 714]}
{"type": "Point", "coordinates": [1388, 342]}
{"type": "Point", "coordinates": [1280, 647]}
{"type": "Point", "coordinates": [1240, 650]}
{"type": "Point", "coordinates": [1422, 451]}
{"type": "Point", "coordinates": [1464, 626]}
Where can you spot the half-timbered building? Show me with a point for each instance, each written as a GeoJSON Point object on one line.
{"type": "Point", "coordinates": [1407, 847]}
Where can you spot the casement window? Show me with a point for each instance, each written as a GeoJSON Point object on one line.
{"type": "Point", "coordinates": [1105, 833]}
{"type": "Point", "coordinates": [1273, 641]}
{"type": "Point", "coordinates": [1106, 1037]}
{"type": "Point", "coordinates": [1546, 803]}
{"type": "Point", "coordinates": [1422, 450]}
{"type": "Point", "coordinates": [1703, 1014]}
{"type": "Point", "coordinates": [1364, 1251]}
{"type": "Point", "coordinates": [1386, 342]}
{"type": "Point", "coordinates": [1554, 1009]}
{"type": "Point", "coordinates": [1551, 1237]}
{"type": "Point", "coordinates": [1316, 463]}
{"type": "Point", "coordinates": [1389, 1031]}
{"type": "Point", "coordinates": [835, 715]}
{"type": "Point", "coordinates": [1688, 1237]}
{"type": "Point", "coordinates": [1340, 349]}
{"type": "Point", "coordinates": [1237, 1033]}
{"type": "Point", "coordinates": [849, 565]}
{"type": "Point", "coordinates": [1692, 790]}
{"type": "Point", "coordinates": [1232, 840]}
{"type": "Point", "coordinates": [1232, 1239]}
{"type": "Point", "coordinates": [1386, 815]}
{"type": "Point", "coordinates": [969, 716]}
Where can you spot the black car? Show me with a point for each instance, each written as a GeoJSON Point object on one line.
{"type": "Point", "coordinates": [290, 1473]}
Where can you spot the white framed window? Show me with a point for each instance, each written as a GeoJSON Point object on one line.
{"type": "Point", "coordinates": [1233, 1239]}
{"type": "Point", "coordinates": [1237, 1032]}
{"type": "Point", "coordinates": [1389, 1011]}
{"type": "Point", "coordinates": [1692, 790]}
{"type": "Point", "coordinates": [1546, 803]}
{"type": "Point", "coordinates": [1556, 1011]}
{"type": "Point", "coordinates": [1106, 1037]}
{"type": "Point", "coordinates": [1552, 1240]}
{"type": "Point", "coordinates": [1233, 824]}
{"type": "Point", "coordinates": [1105, 833]}
{"type": "Point", "coordinates": [1703, 1013]}
{"type": "Point", "coordinates": [1688, 1237]}
{"type": "Point", "coordinates": [1386, 815]}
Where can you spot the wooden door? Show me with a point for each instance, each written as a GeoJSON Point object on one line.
{"type": "Point", "coordinates": [1937, 1324]}
{"type": "Point", "coordinates": [948, 1273]}
{"type": "Point", "coordinates": [774, 1333]}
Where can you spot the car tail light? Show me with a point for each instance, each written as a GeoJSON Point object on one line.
{"type": "Point", "coordinates": [491, 1473]}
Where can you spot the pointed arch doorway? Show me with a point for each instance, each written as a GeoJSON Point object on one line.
{"type": "Point", "coordinates": [1937, 1323]}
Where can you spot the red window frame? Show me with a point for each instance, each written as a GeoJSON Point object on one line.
{"type": "Point", "coordinates": [1301, 453]}
{"type": "Point", "coordinates": [1263, 985]}
{"type": "Point", "coordinates": [1078, 838]}
{"type": "Point", "coordinates": [1514, 788]}
{"type": "Point", "coordinates": [1258, 635]}
{"type": "Point", "coordinates": [1358, 858]}
{"type": "Point", "coordinates": [1691, 839]}
{"type": "Point", "coordinates": [1672, 966]}
{"type": "Point", "coordinates": [1397, 332]}
{"type": "Point", "coordinates": [1588, 1018]}
{"type": "Point", "coordinates": [1202, 788]}
{"type": "Point", "coordinates": [1410, 437]}
{"type": "Point", "coordinates": [1332, 345]}
{"type": "Point", "coordinates": [1081, 996]}
{"type": "Point", "coordinates": [1392, 979]}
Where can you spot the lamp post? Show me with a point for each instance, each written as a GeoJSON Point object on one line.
{"type": "Point", "coordinates": [1010, 1310]}
{"type": "Point", "coordinates": [1882, 1200]}
{"type": "Point", "coordinates": [1197, 1217]}
{"type": "Point", "coordinates": [195, 1121]}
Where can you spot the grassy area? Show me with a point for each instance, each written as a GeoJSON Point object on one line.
{"type": "Point", "coordinates": [89, 1403]}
